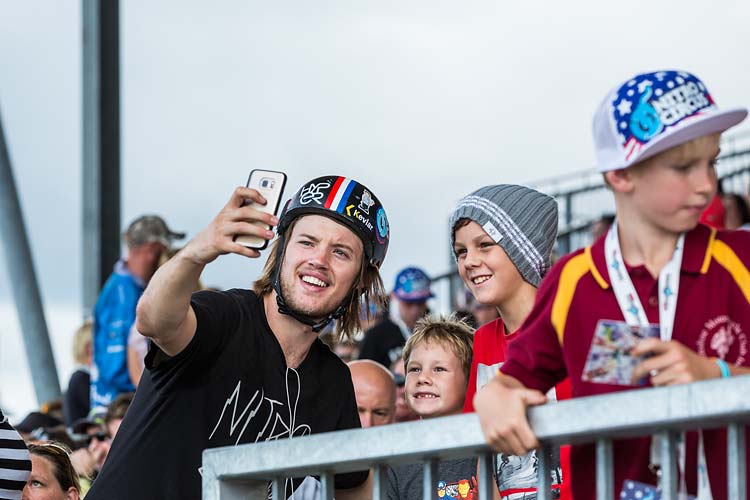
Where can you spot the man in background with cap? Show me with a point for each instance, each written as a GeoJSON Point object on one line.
{"type": "Point", "coordinates": [385, 341]}
{"type": "Point", "coordinates": [147, 238]}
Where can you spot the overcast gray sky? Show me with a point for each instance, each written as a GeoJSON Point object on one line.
{"type": "Point", "coordinates": [422, 101]}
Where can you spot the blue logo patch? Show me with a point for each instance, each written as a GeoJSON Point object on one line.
{"type": "Point", "coordinates": [382, 222]}
{"type": "Point", "coordinates": [644, 122]}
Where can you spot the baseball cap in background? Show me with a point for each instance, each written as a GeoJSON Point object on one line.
{"type": "Point", "coordinates": [412, 285]}
{"type": "Point", "coordinates": [653, 112]}
{"type": "Point", "coordinates": [149, 229]}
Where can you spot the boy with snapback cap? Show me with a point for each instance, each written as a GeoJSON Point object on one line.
{"type": "Point", "coordinates": [657, 140]}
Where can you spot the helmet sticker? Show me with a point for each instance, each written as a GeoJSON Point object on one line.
{"type": "Point", "coordinates": [382, 221]}
{"type": "Point", "coordinates": [340, 192]}
{"type": "Point", "coordinates": [366, 202]}
{"type": "Point", "coordinates": [312, 192]}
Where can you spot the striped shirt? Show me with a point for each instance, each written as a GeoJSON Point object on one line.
{"type": "Point", "coordinates": [15, 463]}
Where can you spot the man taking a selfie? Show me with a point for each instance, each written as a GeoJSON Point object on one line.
{"type": "Point", "coordinates": [246, 366]}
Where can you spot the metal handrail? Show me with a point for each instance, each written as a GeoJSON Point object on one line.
{"type": "Point", "coordinates": [235, 472]}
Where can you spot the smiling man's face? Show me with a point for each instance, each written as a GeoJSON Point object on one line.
{"type": "Point", "coordinates": [321, 265]}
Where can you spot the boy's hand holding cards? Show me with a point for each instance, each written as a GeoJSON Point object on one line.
{"type": "Point", "coordinates": [610, 359]}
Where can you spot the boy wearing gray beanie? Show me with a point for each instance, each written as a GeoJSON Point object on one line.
{"type": "Point", "coordinates": [502, 238]}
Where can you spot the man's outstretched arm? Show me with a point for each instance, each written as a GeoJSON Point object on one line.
{"type": "Point", "coordinates": [164, 313]}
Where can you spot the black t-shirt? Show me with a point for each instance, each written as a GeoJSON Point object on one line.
{"type": "Point", "coordinates": [383, 343]}
{"type": "Point", "coordinates": [229, 386]}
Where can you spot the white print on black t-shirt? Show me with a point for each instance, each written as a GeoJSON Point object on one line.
{"type": "Point", "coordinates": [275, 426]}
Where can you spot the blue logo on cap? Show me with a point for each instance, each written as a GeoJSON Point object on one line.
{"type": "Point", "coordinates": [652, 103]}
{"type": "Point", "coordinates": [644, 122]}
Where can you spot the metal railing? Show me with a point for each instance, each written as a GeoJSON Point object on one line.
{"type": "Point", "coordinates": [245, 471]}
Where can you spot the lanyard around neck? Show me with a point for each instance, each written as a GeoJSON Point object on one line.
{"type": "Point", "coordinates": [627, 298]}
{"type": "Point", "coordinates": [634, 314]}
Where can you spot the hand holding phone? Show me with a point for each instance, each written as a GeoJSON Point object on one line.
{"type": "Point", "coordinates": [270, 184]}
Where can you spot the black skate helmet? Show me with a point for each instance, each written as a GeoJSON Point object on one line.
{"type": "Point", "coordinates": [347, 202]}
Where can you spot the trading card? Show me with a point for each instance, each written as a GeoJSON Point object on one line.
{"type": "Point", "coordinates": [610, 360]}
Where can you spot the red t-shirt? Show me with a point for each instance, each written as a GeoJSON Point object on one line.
{"type": "Point", "coordinates": [489, 353]}
{"type": "Point", "coordinates": [490, 342]}
{"type": "Point", "coordinates": [712, 318]}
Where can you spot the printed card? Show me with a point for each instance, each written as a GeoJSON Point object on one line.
{"type": "Point", "coordinates": [610, 360]}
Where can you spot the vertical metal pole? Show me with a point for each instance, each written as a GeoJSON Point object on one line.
{"type": "Point", "coordinates": [24, 283]}
{"type": "Point", "coordinates": [567, 244]}
{"type": "Point", "coordinates": [429, 474]}
{"type": "Point", "coordinates": [101, 144]}
{"type": "Point", "coordinates": [604, 469]}
{"type": "Point", "coordinates": [737, 463]}
{"type": "Point", "coordinates": [486, 483]}
{"type": "Point", "coordinates": [544, 486]}
{"type": "Point", "coordinates": [668, 464]}
{"type": "Point", "coordinates": [379, 480]}
{"type": "Point", "coordinates": [278, 490]}
{"type": "Point", "coordinates": [326, 481]}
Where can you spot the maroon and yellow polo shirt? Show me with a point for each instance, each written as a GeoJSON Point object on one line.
{"type": "Point", "coordinates": [712, 319]}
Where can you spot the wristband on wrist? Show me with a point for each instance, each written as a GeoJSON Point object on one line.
{"type": "Point", "coordinates": [723, 368]}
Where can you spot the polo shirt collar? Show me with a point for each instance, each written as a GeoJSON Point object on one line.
{"type": "Point", "coordinates": [696, 253]}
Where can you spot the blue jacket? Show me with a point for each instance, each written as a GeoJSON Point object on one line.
{"type": "Point", "coordinates": [114, 314]}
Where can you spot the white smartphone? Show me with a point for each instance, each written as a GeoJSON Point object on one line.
{"type": "Point", "coordinates": [270, 184]}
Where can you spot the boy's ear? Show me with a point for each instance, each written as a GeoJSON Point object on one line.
{"type": "Point", "coordinates": [621, 181]}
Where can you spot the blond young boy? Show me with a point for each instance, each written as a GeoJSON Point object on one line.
{"type": "Point", "coordinates": [437, 358]}
{"type": "Point", "coordinates": [657, 140]}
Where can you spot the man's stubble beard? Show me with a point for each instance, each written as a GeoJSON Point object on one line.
{"type": "Point", "coordinates": [286, 290]}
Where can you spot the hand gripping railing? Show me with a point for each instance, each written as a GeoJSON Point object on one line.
{"type": "Point", "coordinates": [244, 472]}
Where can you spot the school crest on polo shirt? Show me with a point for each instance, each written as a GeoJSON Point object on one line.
{"type": "Point", "coordinates": [723, 338]}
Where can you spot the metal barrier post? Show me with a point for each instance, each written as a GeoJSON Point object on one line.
{"type": "Point", "coordinates": [668, 464]}
{"type": "Point", "coordinates": [544, 486]}
{"type": "Point", "coordinates": [429, 471]}
{"type": "Point", "coordinates": [604, 469]}
{"type": "Point", "coordinates": [486, 483]}
{"type": "Point", "coordinates": [379, 480]}
{"type": "Point", "coordinates": [737, 461]}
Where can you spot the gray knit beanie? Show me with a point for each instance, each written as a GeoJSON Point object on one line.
{"type": "Point", "coordinates": [522, 221]}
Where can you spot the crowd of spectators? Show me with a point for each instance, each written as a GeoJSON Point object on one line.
{"type": "Point", "coordinates": [405, 363]}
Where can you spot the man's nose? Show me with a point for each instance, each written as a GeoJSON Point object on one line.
{"type": "Point", "coordinates": [365, 418]}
